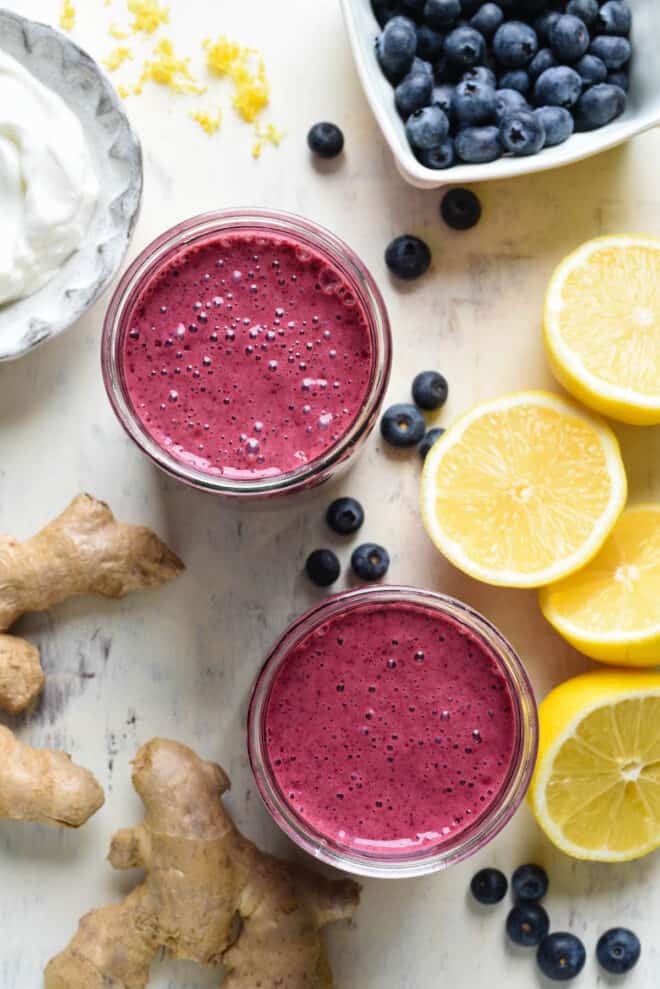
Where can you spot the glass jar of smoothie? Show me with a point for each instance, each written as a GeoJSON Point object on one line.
{"type": "Point", "coordinates": [247, 352]}
{"type": "Point", "coordinates": [392, 731]}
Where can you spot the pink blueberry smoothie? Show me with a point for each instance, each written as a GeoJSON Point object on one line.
{"type": "Point", "coordinates": [247, 355]}
{"type": "Point", "coordinates": [390, 727]}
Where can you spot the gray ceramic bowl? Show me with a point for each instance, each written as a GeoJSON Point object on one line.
{"type": "Point", "coordinates": [116, 153]}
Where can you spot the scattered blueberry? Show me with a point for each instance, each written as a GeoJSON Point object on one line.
{"type": "Point", "coordinates": [544, 59]}
{"type": "Point", "coordinates": [442, 14]}
{"type": "Point", "coordinates": [396, 47]}
{"type": "Point", "coordinates": [527, 924]}
{"type": "Point", "coordinates": [345, 515]}
{"type": "Point", "coordinates": [614, 51]}
{"type": "Point", "coordinates": [522, 133]}
{"type": "Point", "coordinates": [322, 567]}
{"type": "Point", "coordinates": [460, 209]}
{"type": "Point", "coordinates": [429, 439]}
{"type": "Point", "coordinates": [618, 950]}
{"type": "Point", "coordinates": [478, 144]}
{"type": "Point", "coordinates": [599, 105]}
{"type": "Point", "coordinates": [614, 17]}
{"type": "Point", "coordinates": [558, 86]}
{"type": "Point", "coordinates": [430, 44]}
{"type": "Point", "coordinates": [586, 10]}
{"type": "Point", "coordinates": [408, 257]}
{"type": "Point", "coordinates": [370, 561]}
{"type": "Point", "coordinates": [441, 157]}
{"type": "Point", "coordinates": [489, 886]}
{"type": "Point", "coordinates": [561, 956]}
{"type": "Point", "coordinates": [487, 19]}
{"type": "Point", "coordinates": [515, 44]}
{"type": "Point", "coordinates": [465, 47]}
{"type": "Point", "coordinates": [557, 122]}
{"type": "Point", "coordinates": [428, 127]}
{"type": "Point", "coordinates": [430, 388]}
{"type": "Point", "coordinates": [403, 425]}
{"type": "Point", "coordinates": [569, 38]}
{"type": "Point", "coordinates": [517, 79]}
{"type": "Point", "coordinates": [508, 101]}
{"type": "Point", "coordinates": [413, 93]}
{"type": "Point", "coordinates": [473, 102]}
{"type": "Point", "coordinates": [620, 79]}
{"type": "Point", "coordinates": [592, 69]}
{"type": "Point", "coordinates": [481, 73]}
{"type": "Point", "coordinates": [325, 140]}
{"type": "Point", "coordinates": [529, 883]}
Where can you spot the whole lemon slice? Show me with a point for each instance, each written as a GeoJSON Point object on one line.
{"type": "Point", "coordinates": [596, 787]}
{"type": "Point", "coordinates": [610, 610]}
{"type": "Point", "coordinates": [602, 326]}
{"type": "Point", "coordinates": [523, 490]}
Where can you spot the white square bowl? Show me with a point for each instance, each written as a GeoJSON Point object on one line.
{"type": "Point", "coordinates": [642, 112]}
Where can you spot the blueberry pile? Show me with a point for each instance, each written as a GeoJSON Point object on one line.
{"type": "Point", "coordinates": [404, 425]}
{"type": "Point", "coordinates": [476, 80]}
{"type": "Point", "coordinates": [559, 955]}
{"type": "Point", "coordinates": [369, 561]}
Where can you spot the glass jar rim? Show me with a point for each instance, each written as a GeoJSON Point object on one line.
{"type": "Point", "coordinates": [186, 233]}
{"type": "Point", "coordinates": [469, 841]}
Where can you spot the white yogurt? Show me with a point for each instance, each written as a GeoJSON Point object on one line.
{"type": "Point", "coordinates": [48, 186]}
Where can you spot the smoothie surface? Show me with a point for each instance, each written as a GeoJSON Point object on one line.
{"type": "Point", "coordinates": [390, 727]}
{"type": "Point", "coordinates": [247, 355]}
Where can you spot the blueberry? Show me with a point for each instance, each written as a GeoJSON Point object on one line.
{"type": "Point", "coordinates": [544, 59]}
{"type": "Point", "coordinates": [413, 93]}
{"type": "Point", "coordinates": [489, 886]}
{"type": "Point", "coordinates": [402, 425]}
{"type": "Point", "coordinates": [370, 561]}
{"type": "Point", "coordinates": [599, 105]}
{"type": "Point", "coordinates": [592, 69]}
{"type": "Point", "coordinates": [586, 10]}
{"type": "Point", "coordinates": [487, 19]}
{"type": "Point", "coordinates": [442, 13]}
{"type": "Point", "coordinates": [543, 24]}
{"type": "Point", "coordinates": [408, 257]}
{"type": "Point", "coordinates": [431, 437]}
{"type": "Point", "coordinates": [517, 79]}
{"type": "Point", "coordinates": [558, 86]}
{"type": "Point", "coordinates": [460, 209]}
{"type": "Point", "coordinates": [529, 883]}
{"type": "Point", "coordinates": [508, 101]}
{"type": "Point", "coordinates": [515, 44]}
{"type": "Point", "coordinates": [430, 388]}
{"type": "Point", "coordinates": [618, 950]}
{"type": "Point", "coordinates": [428, 127]}
{"type": "Point", "coordinates": [527, 924]}
{"type": "Point", "coordinates": [325, 140]}
{"type": "Point", "coordinates": [614, 51]}
{"type": "Point", "coordinates": [420, 66]}
{"type": "Point", "coordinates": [322, 567]}
{"type": "Point", "coordinates": [473, 103]}
{"type": "Point", "coordinates": [442, 96]}
{"type": "Point", "coordinates": [465, 47]}
{"type": "Point", "coordinates": [561, 956]}
{"type": "Point", "coordinates": [620, 79]}
{"type": "Point", "coordinates": [396, 46]}
{"type": "Point", "coordinates": [443, 156]}
{"type": "Point", "coordinates": [385, 10]}
{"type": "Point", "coordinates": [477, 145]}
{"type": "Point", "coordinates": [614, 17]}
{"type": "Point", "coordinates": [430, 44]}
{"type": "Point", "coordinates": [481, 73]}
{"type": "Point", "coordinates": [522, 133]}
{"type": "Point", "coordinates": [345, 515]}
{"type": "Point", "coordinates": [569, 38]}
{"type": "Point", "coordinates": [557, 123]}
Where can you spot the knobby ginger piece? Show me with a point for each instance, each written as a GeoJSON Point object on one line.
{"type": "Point", "coordinates": [201, 876]}
{"type": "Point", "coordinates": [21, 676]}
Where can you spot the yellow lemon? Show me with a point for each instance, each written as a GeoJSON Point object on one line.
{"type": "Point", "coordinates": [596, 787]}
{"type": "Point", "coordinates": [610, 610]}
{"type": "Point", "coordinates": [523, 490]}
{"type": "Point", "coordinates": [602, 326]}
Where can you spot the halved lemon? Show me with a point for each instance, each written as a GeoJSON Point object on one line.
{"type": "Point", "coordinates": [610, 610]}
{"type": "Point", "coordinates": [523, 490]}
{"type": "Point", "coordinates": [596, 786]}
{"type": "Point", "coordinates": [602, 326]}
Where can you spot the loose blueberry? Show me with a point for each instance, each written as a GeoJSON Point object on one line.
{"type": "Point", "coordinates": [558, 86]}
{"type": "Point", "coordinates": [430, 388]}
{"type": "Point", "coordinates": [428, 127]}
{"type": "Point", "coordinates": [431, 437]}
{"type": "Point", "coordinates": [515, 44]}
{"type": "Point", "coordinates": [487, 19]}
{"type": "Point", "coordinates": [561, 956]}
{"type": "Point", "coordinates": [442, 96]}
{"type": "Point", "coordinates": [473, 103]}
{"type": "Point", "coordinates": [460, 209]}
{"type": "Point", "coordinates": [396, 47]}
{"type": "Point", "coordinates": [489, 886]}
{"type": "Point", "coordinates": [618, 950]}
{"type": "Point", "coordinates": [529, 883]}
{"type": "Point", "coordinates": [522, 133]}
{"type": "Point", "coordinates": [620, 79]}
{"type": "Point", "coordinates": [517, 79]}
{"type": "Point", "coordinates": [481, 73]}
{"type": "Point", "coordinates": [407, 257]}
{"type": "Point", "coordinates": [527, 924]}
{"type": "Point", "coordinates": [544, 59]}
{"type": "Point", "coordinates": [543, 24]}
{"type": "Point", "coordinates": [586, 10]}
{"type": "Point", "coordinates": [592, 69]}
{"type": "Point", "coordinates": [614, 17]}
{"type": "Point", "coordinates": [557, 123]}
{"type": "Point", "coordinates": [508, 101]}
{"type": "Point", "coordinates": [413, 93]}
{"type": "Point", "coordinates": [345, 515]}
{"type": "Point", "coordinates": [322, 567]}
{"type": "Point", "coordinates": [614, 51]}
{"type": "Point", "coordinates": [477, 145]}
{"type": "Point", "coordinates": [402, 425]}
{"type": "Point", "coordinates": [599, 105]}
{"type": "Point", "coordinates": [569, 38]}
{"type": "Point", "coordinates": [430, 44]}
{"type": "Point", "coordinates": [438, 158]}
{"type": "Point", "coordinates": [325, 140]}
{"type": "Point", "coordinates": [370, 561]}
{"type": "Point", "coordinates": [465, 47]}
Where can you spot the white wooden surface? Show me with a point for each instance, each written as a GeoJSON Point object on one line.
{"type": "Point", "coordinates": [180, 662]}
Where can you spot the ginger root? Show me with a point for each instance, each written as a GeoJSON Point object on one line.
{"type": "Point", "coordinates": [209, 896]}
{"type": "Point", "coordinates": [40, 785]}
{"type": "Point", "coordinates": [83, 551]}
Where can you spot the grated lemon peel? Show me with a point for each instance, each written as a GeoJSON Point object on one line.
{"type": "Point", "coordinates": [116, 58]}
{"type": "Point", "coordinates": [148, 15]}
{"type": "Point", "coordinates": [116, 32]}
{"type": "Point", "coordinates": [68, 16]}
{"type": "Point", "coordinates": [251, 87]}
{"type": "Point", "coordinates": [209, 124]}
{"type": "Point", "coordinates": [167, 70]}
{"type": "Point", "coordinates": [123, 92]}
{"type": "Point", "coordinates": [266, 134]}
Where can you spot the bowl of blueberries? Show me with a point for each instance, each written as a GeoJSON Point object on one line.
{"type": "Point", "coordinates": [488, 90]}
